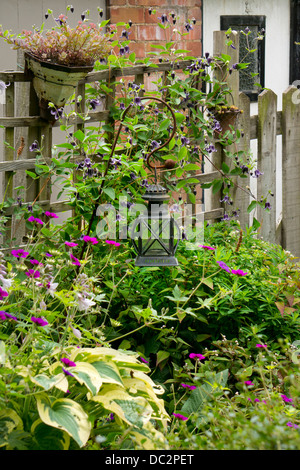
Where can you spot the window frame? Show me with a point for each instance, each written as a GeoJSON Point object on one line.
{"type": "Point", "coordinates": [249, 20]}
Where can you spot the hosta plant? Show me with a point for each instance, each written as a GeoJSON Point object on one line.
{"type": "Point", "coordinates": [65, 398]}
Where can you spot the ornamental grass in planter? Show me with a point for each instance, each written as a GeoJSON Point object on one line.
{"type": "Point", "coordinates": [60, 57]}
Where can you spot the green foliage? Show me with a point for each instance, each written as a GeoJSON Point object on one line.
{"type": "Point", "coordinates": [96, 353]}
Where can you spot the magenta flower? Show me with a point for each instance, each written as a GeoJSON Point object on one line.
{"type": "Point", "coordinates": [92, 240]}
{"type": "Point", "coordinates": [239, 272]}
{"type": "Point", "coordinates": [33, 273]}
{"type": "Point", "coordinates": [35, 219]}
{"type": "Point", "coordinates": [67, 362]}
{"type": "Point", "coordinates": [75, 260]}
{"type": "Point", "coordinates": [286, 399]}
{"type": "Point", "coordinates": [248, 382]}
{"type": "Point", "coordinates": [179, 416]}
{"type": "Point", "coordinates": [292, 425]}
{"type": "Point", "coordinates": [71, 244]}
{"type": "Point", "coordinates": [48, 254]}
{"type": "Point", "coordinates": [5, 316]}
{"type": "Point", "coordinates": [205, 247]}
{"type": "Point", "coordinates": [3, 293]}
{"type": "Point", "coordinates": [261, 346]}
{"type": "Point", "coordinates": [196, 356]}
{"type": "Point", "coordinates": [52, 215]}
{"type": "Point", "coordinates": [19, 253]}
{"type": "Point", "coordinates": [223, 266]}
{"type": "Point", "coordinates": [35, 261]}
{"type": "Point", "coordinates": [67, 372]}
{"type": "Point", "coordinates": [112, 242]}
{"type": "Point", "coordinates": [144, 360]}
{"type": "Point", "coordinates": [190, 387]}
{"type": "Point", "coordinates": [39, 321]}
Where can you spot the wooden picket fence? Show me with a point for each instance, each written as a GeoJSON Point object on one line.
{"type": "Point", "coordinates": [23, 125]}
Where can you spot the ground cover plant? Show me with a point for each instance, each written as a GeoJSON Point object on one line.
{"type": "Point", "coordinates": [96, 353]}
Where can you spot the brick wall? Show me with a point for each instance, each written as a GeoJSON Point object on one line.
{"type": "Point", "coordinates": [145, 31]}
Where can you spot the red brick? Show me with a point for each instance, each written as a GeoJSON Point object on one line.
{"type": "Point", "coordinates": [138, 48]}
{"type": "Point", "coordinates": [136, 15]}
{"type": "Point", "coordinates": [151, 33]}
{"type": "Point", "coordinates": [194, 48]}
{"type": "Point", "coordinates": [117, 2]}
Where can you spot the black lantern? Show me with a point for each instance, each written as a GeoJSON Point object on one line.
{"type": "Point", "coordinates": [155, 234]}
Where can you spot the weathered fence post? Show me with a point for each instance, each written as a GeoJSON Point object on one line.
{"type": "Point", "coordinates": [212, 201]}
{"type": "Point", "coordinates": [291, 170]}
{"type": "Point", "coordinates": [240, 193]}
{"type": "Point", "coordinates": [266, 161]}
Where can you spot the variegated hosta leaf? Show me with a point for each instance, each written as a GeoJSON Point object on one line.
{"type": "Point", "coordinates": [126, 373]}
{"type": "Point", "coordinates": [148, 438]}
{"type": "Point", "coordinates": [88, 375]}
{"type": "Point", "coordinates": [59, 381]}
{"type": "Point", "coordinates": [121, 359]}
{"type": "Point", "coordinates": [65, 414]}
{"type": "Point", "coordinates": [140, 388]}
{"type": "Point", "coordinates": [49, 438]}
{"type": "Point", "coordinates": [133, 410]}
{"type": "Point", "coordinates": [108, 372]}
{"type": "Point", "coordinates": [9, 421]}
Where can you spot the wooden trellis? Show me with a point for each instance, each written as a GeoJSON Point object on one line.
{"type": "Point", "coordinates": [21, 120]}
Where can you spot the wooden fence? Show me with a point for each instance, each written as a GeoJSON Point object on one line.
{"type": "Point", "coordinates": [22, 126]}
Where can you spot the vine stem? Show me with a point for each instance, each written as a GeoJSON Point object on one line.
{"type": "Point", "coordinates": [94, 213]}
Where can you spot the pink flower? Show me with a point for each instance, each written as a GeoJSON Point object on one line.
{"type": "Point", "coordinates": [65, 371]}
{"type": "Point", "coordinates": [35, 261]}
{"type": "Point", "coordinates": [35, 219]}
{"type": "Point", "coordinates": [112, 242]}
{"type": "Point", "coordinates": [239, 272]}
{"type": "Point", "coordinates": [223, 266]}
{"type": "Point", "coordinates": [75, 260]}
{"type": "Point", "coordinates": [261, 346]}
{"type": "Point", "coordinates": [179, 416]}
{"type": "Point", "coordinates": [3, 294]}
{"type": "Point", "coordinates": [92, 240]}
{"type": "Point", "coordinates": [52, 215]}
{"type": "Point", "coordinates": [39, 321]}
{"type": "Point", "coordinates": [292, 425]}
{"type": "Point", "coordinates": [190, 387]}
{"type": "Point", "coordinates": [33, 273]}
{"type": "Point", "coordinates": [205, 247]}
{"type": "Point", "coordinates": [144, 360]}
{"type": "Point", "coordinates": [19, 253]}
{"type": "Point", "coordinates": [71, 244]}
{"type": "Point", "coordinates": [67, 362]}
{"type": "Point", "coordinates": [248, 382]}
{"type": "Point", "coordinates": [5, 316]}
{"type": "Point", "coordinates": [286, 399]}
{"type": "Point", "coordinates": [196, 356]}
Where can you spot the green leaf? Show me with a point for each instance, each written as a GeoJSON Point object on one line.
{"type": "Point", "coordinates": [225, 168]}
{"type": "Point", "coordinates": [110, 192]}
{"type": "Point", "coordinates": [32, 175]}
{"type": "Point", "coordinates": [164, 125]}
{"type": "Point", "coordinates": [161, 357]}
{"type": "Point", "coordinates": [217, 186]}
{"type": "Point", "coordinates": [191, 166]}
{"type": "Point", "coordinates": [65, 414]}
{"type": "Point", "coordinates": [251, 206]}
{"type": "Point", "coordinates": [49, 438]}
{"type": "Point", "coordinates": [79, 135]}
